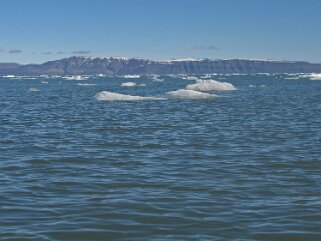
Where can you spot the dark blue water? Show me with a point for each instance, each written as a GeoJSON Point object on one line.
{"type": "Point", "coordinates": [245, 166]}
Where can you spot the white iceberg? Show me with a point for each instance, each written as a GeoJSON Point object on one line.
{"type": "Point", "coordinates": [315, 76]}
{"type": "Point", "coordinates": [131, 84]}
{"type": "Point", "coordinates": [210, 85]}
{"type": "Point", "coordinates": [189, 94]}
{"type": "Point", "coordinates": [111, 96]}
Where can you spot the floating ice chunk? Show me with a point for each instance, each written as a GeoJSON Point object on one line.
{"type": "Point", "coordinates": [207, 76]}
{"type": "Point", "coordinates": [210, 85]}
{"type": "Point", "coordinates": [315, 76]}
{"type": "Point", "coordinates": [312, 76]}
{"type": "Point", "coordinates": [156, 78]}
{"type": "Point", "coordinates": [131, 76]}
{"type": "Point", "coordinates": [75, 77]}
{"type": "Point", "coordinates": [33, 89]}
{"type": "Point", "coordinates": [111, 96]}
{"type": "Point", "coordinates": [252, 86]}
{"type": "Point", "coordinates": [191, 78]}
{"type": "Point", "coordinates": [128, 84]}
{"type": "Point", "coordinates": [86, 84]}
{"type": "Point", "coordinates": [189, 94]}
{"type": "Point", "coordinates": [131, 84]}
{"type": "Point", "coordinates": [44, 82]}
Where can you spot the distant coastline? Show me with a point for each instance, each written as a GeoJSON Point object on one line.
{"type": "Point", "coordinates": [136, 66]}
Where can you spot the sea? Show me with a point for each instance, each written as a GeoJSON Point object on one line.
{"type": "Point", "coordinates": [91, 158]}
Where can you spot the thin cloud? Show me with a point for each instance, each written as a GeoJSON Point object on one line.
{"type": "Point", "coordinates": [61, 52]}
{"type": "Point", "coordinates": [81, 52]}
{"type": "Point", "coordinates": [47, 53]}
{"type": "Point", "coordinates": [200, 47]}
{"type": "Point", "coordinates": [15, 51]}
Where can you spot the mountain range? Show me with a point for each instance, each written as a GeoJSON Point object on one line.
{"type": "Point", "coordinates": [127, 66]}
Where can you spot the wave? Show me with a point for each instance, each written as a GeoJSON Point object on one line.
{"type": "Point", "coordinates": [111, 96]}
{"type": "Point", "coordinates": [189, 94]}
{"type": "Point", "coordinates": [210, 85]}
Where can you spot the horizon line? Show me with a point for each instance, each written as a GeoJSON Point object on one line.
{"type": "Point", "coordinates": [191, 59]}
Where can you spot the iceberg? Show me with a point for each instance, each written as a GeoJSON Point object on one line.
{"type": "Point", "coordinates": [131, 84]}
{"type": "Point", "coordinates": [189, 94]}
{"type": "Point", "coordinates": [210, 85]}
{"type": "Point", "coordinates": [111, 96]}
{"type": "Point", "coordinates": [315, 76]}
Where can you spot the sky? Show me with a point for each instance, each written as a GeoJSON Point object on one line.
{"type": "Point", "coordinates": [35, 31]}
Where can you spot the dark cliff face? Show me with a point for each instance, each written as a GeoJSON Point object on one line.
{"type": "Point", "coordinates": [122, 66]}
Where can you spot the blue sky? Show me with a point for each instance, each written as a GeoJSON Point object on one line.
{"type": "Point", "coordinates": [34, 31]}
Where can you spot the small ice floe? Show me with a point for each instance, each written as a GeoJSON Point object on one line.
{"type": "Point", "coordinates": [86, 84]}
{"type": "Point", "coordinates": [189, 94]}
{"type": "Point", "coordinates": [311, 76]}
{"type": "Point", "coordinates": [314, 76]}
{"type": "Point", "coordinates": [111, 96]}
{"type": "Point", "coordinates": [156, 78]}
{"type": "Point", "coordinates": [191, 78]}
{"type": "Point", "coordinates": [44, 82]}
{"type": "Point", "coordinates": [207, 76]}
{"type": "Point", "coordinates": [210, 85]}
{"type": "Point", "coordinates": [131, 84]}
{"type": "Point", "coordinates": [33, 89]}
{"type": "Point", "coordinates": [131, 76]}
{"type": "Point", "coordinates": [254, 86]}
{"type": "Point", "coordinates": [75, 77]}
